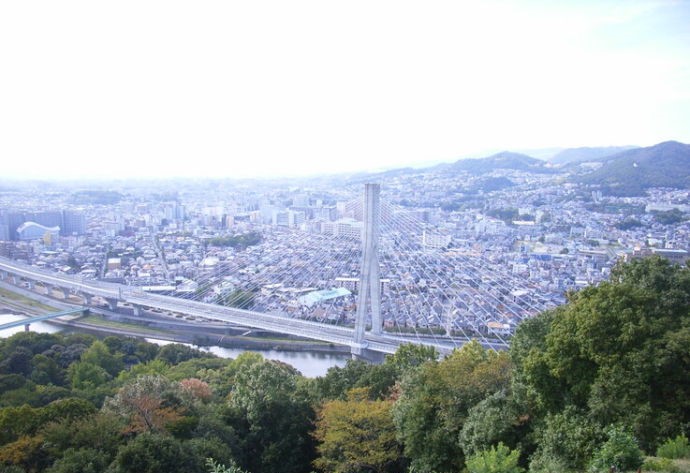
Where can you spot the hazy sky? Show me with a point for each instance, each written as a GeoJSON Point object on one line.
{"type": "Point", "coordinates": [247, 88]}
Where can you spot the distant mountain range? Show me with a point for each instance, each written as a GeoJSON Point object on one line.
{"type": "Point", "coordinates": [631, 172]}
{"type": "Point", "coordinates": [624, 170]}
{"type": "Point", "coordinates": [578, 155]}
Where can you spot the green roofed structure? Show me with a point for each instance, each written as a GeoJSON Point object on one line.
{"type": "Point", "coordinates": [321, 296]}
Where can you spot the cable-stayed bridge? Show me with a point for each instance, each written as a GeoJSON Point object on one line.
{"type": "Point", "coordinates": [383, 277]}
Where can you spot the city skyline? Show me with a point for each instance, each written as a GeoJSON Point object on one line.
{"type": "Point", "coordinates": [272, 89]}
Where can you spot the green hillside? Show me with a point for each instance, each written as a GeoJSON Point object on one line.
{"type": "Point", "coordinates": [577, 155]}
{"type": "Point", "coordinates": [504, 160]}
{"type": "Point", "coordinates": [631, 172]}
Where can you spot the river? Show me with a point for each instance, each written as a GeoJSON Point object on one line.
{"type": "Point", "coordinates": [308, 363]}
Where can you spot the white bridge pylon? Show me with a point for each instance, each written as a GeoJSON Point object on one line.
{"type": "Point", "coordinates": [369, 296]}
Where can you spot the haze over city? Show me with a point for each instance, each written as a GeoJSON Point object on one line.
{"type": "Point", "coordinates": [162, 89]}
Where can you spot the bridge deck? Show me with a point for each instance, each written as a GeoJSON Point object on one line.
{"type": "Point", "coordinates": [329, 333]}
{"type": "Point", "coordinates": [39, 318]}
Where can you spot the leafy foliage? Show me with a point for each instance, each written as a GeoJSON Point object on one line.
{"type": "Point", "coordinates": [669, 217]}
{"type": "Point", "coordinates": [273, 423]}
{"type": "Point", "coordinates": [237, 298]}
{"type": "Point", "coordinates": [567, 439]}
{"type": "Point", "coordinates": [497, 419]}
{"type": "Point", "coordinates": [674, 448]}
{"type": "Point", "coordinates": [618, 351]}
{"type": "Point", "coordinates": [26, 452]}
{"type": "Point", "coordinates": [435, 401]}
{"type": "Point", "coordinates": [237, 241]}
{"type": "Point", "coordinates": [617, 354]}
{"type": "Point", "coordinates": [660, 464]}
{"type": "Point", "coordinates": [83, 460]}
{"type": "Point", "coordinates": [175, 353]}
{"type": "Point", "coordinates": [214, 467]}
{"type": "Point", "coordinates": [499, 459]}
{"type": "Point", "coordinates": [357, 435]}
{"type": "Point", "coordinates": [150, 403]}
{"type": "Point", "coordinates": [620, 451]}
{"type": "Point", "coordinates": [155, 453]}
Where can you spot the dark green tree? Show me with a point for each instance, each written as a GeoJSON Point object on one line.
{"type": "Point", "coordinates": [46, 371]}
{"type": "Point", "coordinates": [618, 351]}
{"type": "Point", "coordinates": [435, 401]}
{"type": "Point", "coordinates": [271, 421]}
{"type": "Point", "coordinates": [620, 451]}
{"type": "Point", "coordinates": [497, 418]}
{"type": "Point", "coordinates": [83, 460]}
{"type": "Point", "coordinates": [175, 353]}
{"type": "Point", "coordinates": [410, 356]}
{"type": "Point", "coordinates": [99, 354]}
{"type": "Point", "coordinates": [155, 453]}
{"type": "Point", "coordinates": [237, 298]}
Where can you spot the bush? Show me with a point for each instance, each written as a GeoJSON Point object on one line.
{"type": "Point", "coordinates": [620, 451]}
{"type": "Point", "coordinates": [499, 459]}
{"type": "Point", "coordinates": [84, 460]}
{"type": "Point", "coordinates": [660, 464]}
{"type": "Point", "coordinates": [214, 467]}
{"type": "Point", "coordinates": [544, 463]}
{"type": "Point", "coordinates": [567, 439]}
{"type": "Point", "coordinates": [674, 448]}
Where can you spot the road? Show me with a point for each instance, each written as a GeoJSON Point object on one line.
{"type": "Point", "coordinates": [302, 328]}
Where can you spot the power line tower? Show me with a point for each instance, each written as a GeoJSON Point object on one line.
{"type": "Point", "coordinates": [369, 296]}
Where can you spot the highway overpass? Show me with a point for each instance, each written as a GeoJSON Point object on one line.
{"type": "Point", "coordinates": [116, 293]}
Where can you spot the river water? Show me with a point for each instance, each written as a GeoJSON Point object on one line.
{"type": "Point", "coordinates": [308, 363]}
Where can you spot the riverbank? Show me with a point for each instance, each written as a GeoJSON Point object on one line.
{"type": "Point", "coordinates": [196, 335]}
{"type": "Point", "coordinates": [101, 322]}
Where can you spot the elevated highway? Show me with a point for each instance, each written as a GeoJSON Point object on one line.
{"type": "Point", "coordinates": [114, 293]}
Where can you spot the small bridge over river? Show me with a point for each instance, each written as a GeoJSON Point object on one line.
{"type": "Point", "coordinates": [40, 318]}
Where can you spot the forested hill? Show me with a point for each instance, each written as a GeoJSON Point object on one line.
{"type": "Point", "coordinates": [504, 160]}
{"type": "Point", "coordinates": [577, 155]}
{"type": "Point", "coordinates": [632, 172]}
{"type": "Point", "coordinates": [596, 383]}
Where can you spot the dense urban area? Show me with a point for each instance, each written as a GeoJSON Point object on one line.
{"type": "Point", "coordinates": [463, 251]}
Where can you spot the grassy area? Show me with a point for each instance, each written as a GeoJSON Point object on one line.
{"type": "Point", "coordinates": [676, 466]}
{"type": "Point", "coordinates": [23, 300]}
{"type": "Point", "coordinates": [101, 322]}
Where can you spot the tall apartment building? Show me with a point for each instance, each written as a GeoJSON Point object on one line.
{"type": "Point", "coordinates": [73, 222]}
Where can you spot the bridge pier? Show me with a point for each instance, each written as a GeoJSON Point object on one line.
{"type": "Point", "coordinates": [112, 304]}
{"type": "Point", "coordinates": [136, 310]}
{"type": "Point", "coordinates": [15, 280]}
{"type": "Point", "coordinates": [65, 293]}
{"type": "Point", "coordinates": [3, 275]}
{"type": "Point", "coordinates": [26, 327]}
{"type": "Point", "coordinates": [87, 298]}
{"type": "Point", "coordinates": [361, 352]}
{"type": "Point", "coordinates": [31, 284]}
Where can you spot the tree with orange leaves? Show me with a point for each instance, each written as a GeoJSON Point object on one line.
{"type": "Point", "coordinates": [149, 402]}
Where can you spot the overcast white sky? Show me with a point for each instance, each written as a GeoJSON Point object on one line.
{"type": "Point", "coordinates": [252, 88]}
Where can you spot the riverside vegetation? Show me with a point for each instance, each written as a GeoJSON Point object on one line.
{"type": "Point", "coordinates": [594, 385]}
